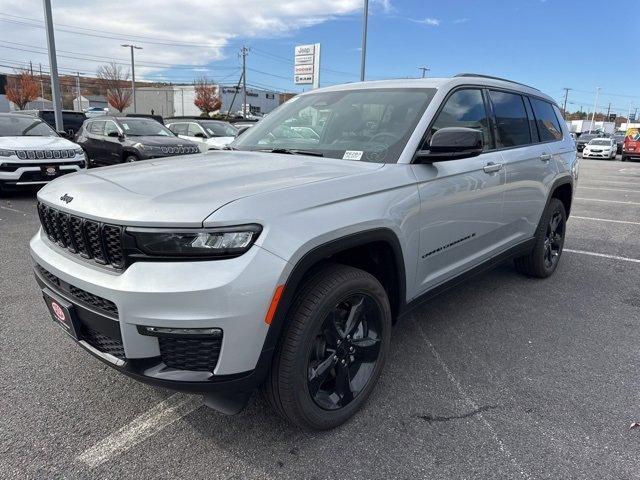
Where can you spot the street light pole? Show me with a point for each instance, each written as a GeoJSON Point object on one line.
{"type": "Point", "coordinates": [78, 91]}
{"type": "Point", "coordinates": [595, 107]}
{"type": "Point", "coordinates": [133, 73]}
{"type": "Point", "coordinates": [363, 57]}
{"type": "Point", "coordinates": [53, 63]}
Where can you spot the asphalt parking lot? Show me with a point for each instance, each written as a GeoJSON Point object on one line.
{"type": "Point", "coordinates": [503, 377]}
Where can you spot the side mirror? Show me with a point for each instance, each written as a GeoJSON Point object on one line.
{"type": "Point", "coordinates": [67, 135]}
{"type": "Point", "coordinates": [114, 134]}
{"type": "Point", "coordinates": [452, 143]}
{"type": "Point", "coordinates": [199, 135]}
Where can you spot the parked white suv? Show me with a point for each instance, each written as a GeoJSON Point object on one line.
{"type": "Point", "coordinates": [32, 153]}
{"type": "Point", "coordinates": [208, 134]}
{"type": "Point", "coordinates": [284, 262]}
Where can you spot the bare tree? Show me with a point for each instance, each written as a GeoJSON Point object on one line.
{"type": "Point", "coordinates": [207, 99]}
{"type": "Point", "coordinates": [22, 89]}
{"type": "Point", "coordinates": [116, 81]}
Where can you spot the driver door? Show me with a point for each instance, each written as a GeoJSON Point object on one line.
{"type": "Point", "coordinates": [461, 200]}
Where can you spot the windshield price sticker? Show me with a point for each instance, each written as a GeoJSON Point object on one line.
{"type": "Point", "coordinates": [352, 155]}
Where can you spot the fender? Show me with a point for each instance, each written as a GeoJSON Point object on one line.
{"type": "Point", "coordinates": [563, 180]}
{"type": "Point", "coordinates": [316, 255]}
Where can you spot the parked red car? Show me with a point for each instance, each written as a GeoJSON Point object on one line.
{"type": "Point", "coordinates": [631, 146]}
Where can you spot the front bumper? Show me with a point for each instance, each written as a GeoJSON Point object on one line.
{"type": "Point", "coordinates": [232, 295]}
{"type": "Point", "coordinates": [23, 172]}
{"type": "Point", "coordinates": [587, 154]}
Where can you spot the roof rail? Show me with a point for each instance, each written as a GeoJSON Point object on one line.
{"type": "Point", "coordinates": [493, 78]}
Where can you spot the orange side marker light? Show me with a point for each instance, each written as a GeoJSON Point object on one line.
{"type": "Point", "coordinates": [274, 304]}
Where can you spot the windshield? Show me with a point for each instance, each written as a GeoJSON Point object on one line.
{"type": "Point", "coordinates": [370, 125]}
{"type": "Point", "coordinates": [144, 127]}
{"type": "Point", "coordinates": [11, 126]}
{"type": "Point", "coordinates": [219, 129]}
{"type": "Point", "coordinates": [600, 142]}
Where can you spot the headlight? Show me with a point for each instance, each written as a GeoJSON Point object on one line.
{"type": "Point", "coordinates": [213, 242]}
{"type": "Point", "coordinates": [7, 153]}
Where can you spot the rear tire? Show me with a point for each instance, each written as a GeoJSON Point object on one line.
{"type": "Point", "coordinates": [543, 259]}
{"type": "Point", "coordinates": [130, 158]}
{"type": "Point", "coordinates": [333, 349]}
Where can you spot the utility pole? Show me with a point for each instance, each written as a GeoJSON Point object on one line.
{"type": "Point", "coordinates": [31, 67]}
{"type": "Point", "coordinates": [78, 91]}
{"type": "Point", "coordinates": [608, 112]}
{"type": "Point", "coordinates": [365, 21]}
{"type": "Point", "coordinates": [595, 107]}
{"type": "Point", "coordinates": [566, 97]}
{"type": "Point", "coordinates": [41, 87]}
{"type": "Point", "coordinates": [133, 73]}
{"type": "Point", "coordinates": [53, 62]}
{"type": "Point", "coordinates": [424, 71]}
{"type": "Point", "coordinates": [244, 52]}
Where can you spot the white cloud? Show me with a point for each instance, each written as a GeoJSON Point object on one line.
{"type": "Point", "coordinates": [214, 28]}
{"type": "Point", "coordinates": [432, 22]}
{"type": "Point", "coordinates": [460, 20]}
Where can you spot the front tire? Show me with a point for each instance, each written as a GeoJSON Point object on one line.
{"type": "Point", "coordinates": [333, 349]}
{"type": "Point", "coordinates": [543, 259]}
{"type": "Point", "coordinates": [131, 158]}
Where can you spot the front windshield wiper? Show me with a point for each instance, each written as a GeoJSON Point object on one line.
{"type": "Point", "coordinates": [293, 151]}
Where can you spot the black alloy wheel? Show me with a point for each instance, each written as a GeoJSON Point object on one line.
{"type": "Point", "coordinates": [553, 240]}
{"type": "Point", "coordinates": [343, 358]}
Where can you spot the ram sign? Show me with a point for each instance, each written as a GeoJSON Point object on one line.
{"type": "Point", "coordinates": [306, 70]}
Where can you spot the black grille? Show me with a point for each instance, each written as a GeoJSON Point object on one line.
{"type": "Point", "coordinates": [50, 277]}
{"type": "Point", "coordinates": [94, 300]}
{"type": "Point", "coordinates": [89, 299]}
{"type": "Point", "coordinates": [91, 239]}
{"type": "Point", "coordinates": [190, 353]}
{"type": "Point", "coordinates": [103, 342]}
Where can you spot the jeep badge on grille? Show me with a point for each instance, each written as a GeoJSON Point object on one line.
{"type": "Point", "coordinates": [66, 198]}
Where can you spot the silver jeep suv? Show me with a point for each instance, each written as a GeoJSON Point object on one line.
{"type": "Point", "coordinates": [284, 261]}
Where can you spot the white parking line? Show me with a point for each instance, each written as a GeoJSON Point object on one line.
{"type": "Point", "coordinates": [12, 210]}
{"type": "Point", "coordinates": [603, 255]}
{"type": "Point", "coordinates": [604, 220]}
{"type": "Point", "coordinates": [605, 201]}
{"type": "Point", "coordinates": [610, 189]}
{"type": "Point", "coordinates": [469, 401]}
{"type": "Point", "coordinates": [596, 181]}
{"type": "Point", "coordinates": [149, 423]}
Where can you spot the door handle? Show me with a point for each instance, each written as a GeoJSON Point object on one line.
{"type": "Point", "coordinates": [492, 167]}
{"type": "Point", "coordinates": [545, 157]}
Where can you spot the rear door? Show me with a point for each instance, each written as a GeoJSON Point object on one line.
{"type": "Point", "coordinates": [527, 131]}
{"type": "Point", "coordinates": [461, 200]}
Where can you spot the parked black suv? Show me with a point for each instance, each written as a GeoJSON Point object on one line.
{"type": "Point", "coordinates": [71, 120]}
{"type": "Point", "coordinates": [109, 140]}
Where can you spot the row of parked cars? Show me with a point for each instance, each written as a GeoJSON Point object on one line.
{"type": "Point", "coordinates": [33, 153]}
{"type": "Point", "coordinates": [607, 146]}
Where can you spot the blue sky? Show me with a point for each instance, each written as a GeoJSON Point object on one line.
{"type": "Point", "coordinates": [550, 44]}
{"type": "Point", "coordinates": [582, 44]}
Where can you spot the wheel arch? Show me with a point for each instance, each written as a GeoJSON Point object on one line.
{"type": "Point", "coordinates": [562, 189]}
{"type": "Point", "coordinates": [385, 250]}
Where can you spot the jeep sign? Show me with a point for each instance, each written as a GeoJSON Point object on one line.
{"type": "Point", "coordinates": [306, 70]}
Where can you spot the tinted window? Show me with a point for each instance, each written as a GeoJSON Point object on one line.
{"type": "Point", "coordinates": [546, 119]}
{"type": "Point", "coordinates": [193, 129]}
{"type": "Point", "coordinates": [178, 128]}
{"type": "Point", "coordinates": [465, 108]}
{"type": "Point", "coordinates": [110, 127]}
{"type": "Point", "coordinates": [511, 119]}
{"type": "Point", "coordinates": [97, 128]}
{"type": "Point", "coordinates": [18, 126]}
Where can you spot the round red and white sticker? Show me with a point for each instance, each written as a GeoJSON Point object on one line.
{"type": "Point", "coordinates": [57, 310]}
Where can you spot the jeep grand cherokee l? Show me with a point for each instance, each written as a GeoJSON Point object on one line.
{"type": "Point", "coordinates": [283, 262]}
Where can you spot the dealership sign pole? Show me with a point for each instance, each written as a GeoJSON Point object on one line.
{"type": "Point", "coordinates": [53, 67]}
{"type": "Point", "coordinates": [306, 70]}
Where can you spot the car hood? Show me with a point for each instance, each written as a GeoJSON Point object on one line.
{"type": "Point", "coordinates": [43, 143]}
{"type": "Point", "coordinates": [159, 141]}
{"type": "Point", "coordinates": [184, 191]}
